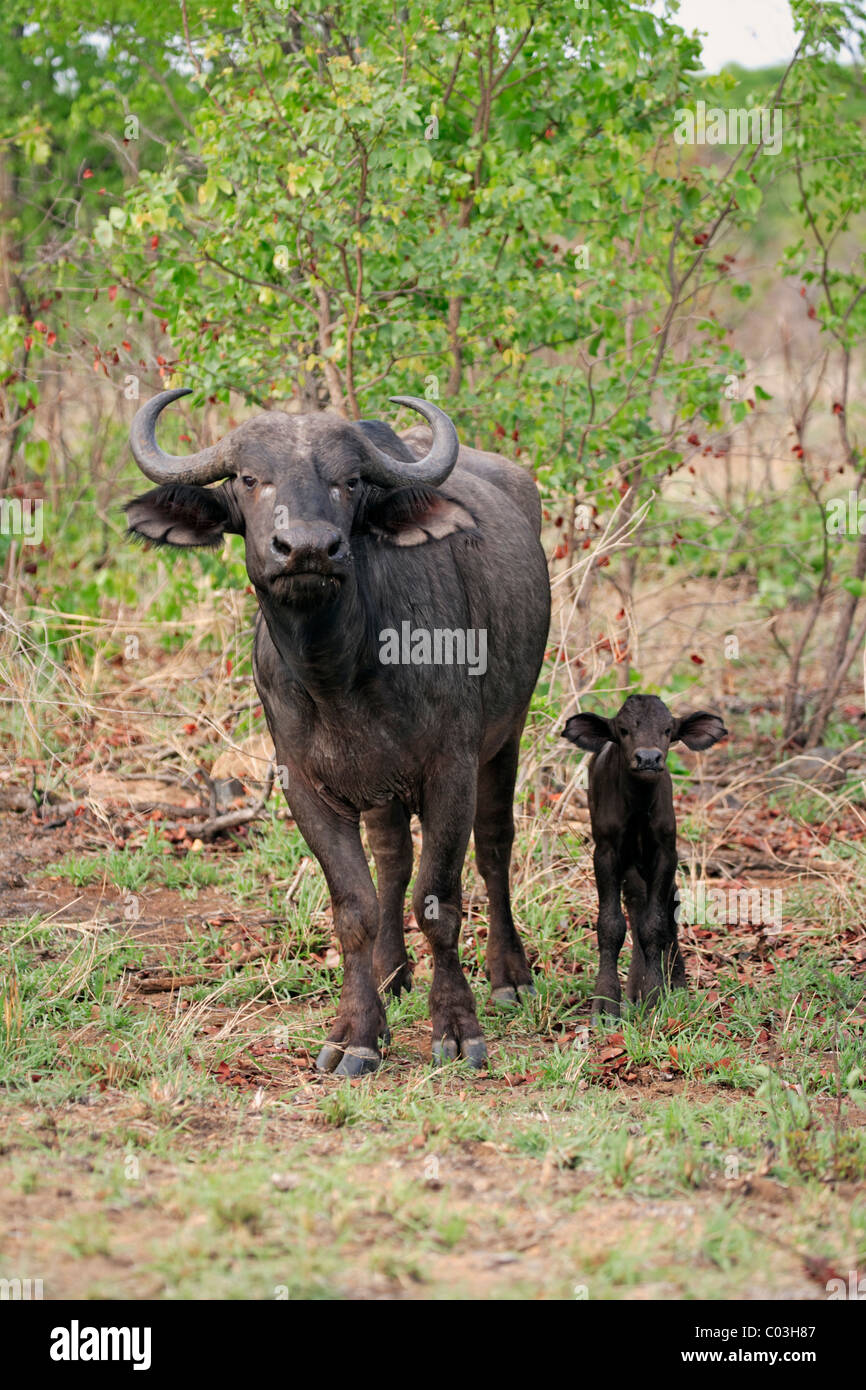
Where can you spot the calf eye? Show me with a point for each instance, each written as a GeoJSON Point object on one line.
{"type": "Point", "coordinates": [248, 481]}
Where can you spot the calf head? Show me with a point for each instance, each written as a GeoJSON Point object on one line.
{"type": "Point", "coordinates": [298, 488]}
{"type": "Point", "coordinates": [643, 731]}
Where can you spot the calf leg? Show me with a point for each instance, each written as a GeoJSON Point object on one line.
{"type": "Point", "coordinates": [448, 808]}
{"type": "Point", "coordinates": [674, 965]}
{"type": "Point", "coordinates": [634, 894]}
{"type": "Point", "coordinates": [352, 1045]}
{"type": "Point", "coordinates": [391, 842]}
{"type": "Point", "coordinates": [654, 924]}
{"type": "Point", "coordinates": [507, 968]}
{"type": "Point", "coordinates": [611, 930]}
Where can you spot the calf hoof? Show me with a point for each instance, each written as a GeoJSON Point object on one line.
{"type": "Point", "coordinates": [347, 1061]}
{"type": "Point", "coordinates": [605, 1011]}
{"type": "Point", "coordinates": [509, 996]}
{"type": "Point", "coordinates": [472, 1050]}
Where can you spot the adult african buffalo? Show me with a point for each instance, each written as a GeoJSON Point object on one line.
{"type": "Point", "coordinates": [364, 548]}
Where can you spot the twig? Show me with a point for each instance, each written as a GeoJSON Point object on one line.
{"type": "Point", "coordinates": [164, 986]}
{"type": "Point", "coordinates": [208, 829]}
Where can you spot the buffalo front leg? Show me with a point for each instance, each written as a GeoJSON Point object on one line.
{"type": "Point", "coordinates": [507, 967]}
{"type": "Point", "coordinates": [611, 931]}
{"type": "Point", "coordinates": [352, 1045]}
{"type": "Point", "coordinates": [448, 808]}
{"type": "Point", "coordinates": [390, 840]}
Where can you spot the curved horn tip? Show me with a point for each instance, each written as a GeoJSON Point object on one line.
{"type": "Point", "coordinates": [173, 394]}
{"type": "Point", "coordinates": [433, 414]}
{"type": "Point", "coordinates": [204, 467]}
{"type": "Point", "coordinates": [440, 422]}
{"type": "Point", "coordinates": [157, 403]}
{"type": "Point", "coordinates": [415, 403]}
{"type": "Point", "coordinates": [436, 464]}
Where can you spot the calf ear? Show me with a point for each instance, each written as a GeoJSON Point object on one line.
{"type": "Point", "coordinates": [699, 730]}
{"type": "Point", "coordinates": [413, 516]}
{"type": "Point", "coordinates": [589, 731]}
{"type": "Point", "coordinates": [177, 514]}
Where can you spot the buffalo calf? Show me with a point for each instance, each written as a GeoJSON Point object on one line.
{"type": "Point", "coordinates": [634, 827]}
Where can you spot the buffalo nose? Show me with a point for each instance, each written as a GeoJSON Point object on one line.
{"type": "Point", "coordinates": [648, 759]}
{"type": "Point", "coordinates": [312, 544]}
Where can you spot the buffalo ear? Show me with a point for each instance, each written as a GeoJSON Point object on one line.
{"type": "Point", "coordinates": [413, 516]}
{"type": "Point", "coordinates": [699, 730]}
{"type": "Point", "coordinates": [180, 515]}
{"type": "Point", "coordinates": [589, 731]}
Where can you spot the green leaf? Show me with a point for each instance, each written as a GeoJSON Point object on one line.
{"type": "Point", "coordinates": [103, 233]}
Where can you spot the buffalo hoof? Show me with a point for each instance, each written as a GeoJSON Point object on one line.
{"type": "Point", "coordinates": [444, 1050]}
{"type": "Point", "coordinates": [509, 996]}
{"type": "Point", "coordinates": [472, 1050]}
{"type": "Point", "coordinates": [347, 1061]}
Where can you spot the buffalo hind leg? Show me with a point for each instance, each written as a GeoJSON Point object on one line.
{"type": "Point", "coordinates": [507, 967]}
{"type": "Point", "coordinates": [390, 840]}
{"type": "Point", "coordinates": [352, 1045]}
{"type": "Point", "coordinates": [448, 807]}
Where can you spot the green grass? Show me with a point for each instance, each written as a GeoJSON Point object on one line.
{"type": "Point", "coordinates": [610, 1195]}
{"type": "Point", "coordinates": [201, 1157]}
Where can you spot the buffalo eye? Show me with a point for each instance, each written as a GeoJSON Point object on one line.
{"type": "Point", "coordinates": [248, 481]}
{"type": "Point", "coordinates": [352, 483]}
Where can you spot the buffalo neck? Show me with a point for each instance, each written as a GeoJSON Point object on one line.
{"type": "Point", "coordinates": [637, 795]}
{"type": "Point", "coordinates": [323, 649]}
